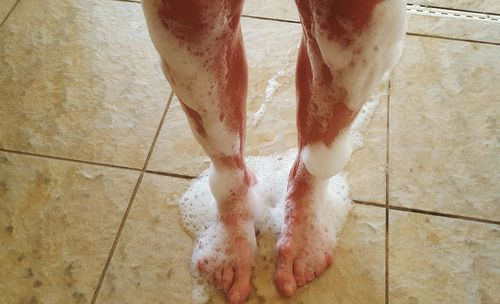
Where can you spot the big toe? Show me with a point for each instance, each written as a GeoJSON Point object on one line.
{"type": "Point", "coordinates": [283, 277]}
{"type": "Point", "coordinates": [227, 278]}
{"type": "Point", "coordinates": [241, 286]}
{"type": "Point", "coordinates": [299, 272]}
{"type": "Point", "coordinates": [286, 284]}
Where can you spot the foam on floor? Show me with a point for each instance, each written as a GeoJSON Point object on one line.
{"type": "Point", "coordinates": [198, 207]}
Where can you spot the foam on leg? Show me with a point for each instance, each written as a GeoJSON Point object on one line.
{"type": "Point", "coordinates": [325, 161]}
{"type": "Point", "coordinates": [199, 211]}
{"type": "Point", "coordinates": [359, 64]}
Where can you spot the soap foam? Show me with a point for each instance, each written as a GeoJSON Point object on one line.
{"type": "Point", "coordinates": [272, 87]}
{"type": "Point", "coordinates": [325, 161]}
{"type": "Point", "coordinates": [199, 209]}
{"type": "Point", "coordinates": [195, 74]}
{"type": "Point", "coordinates": [363, 119]}
{"type": "Point", "coordinates": [371, 54]}
{"type": "Point", "coordinates": [199, 212]}
{"type": "Point", "coordinates": [224, 182]}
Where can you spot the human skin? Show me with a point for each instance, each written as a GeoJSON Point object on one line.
{"type": "Point", "coordinates": [201, 47]}
{"type": "Point", "coordinates": [339, 89]}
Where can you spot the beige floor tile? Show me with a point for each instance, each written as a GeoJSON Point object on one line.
{"type": "Point", "coordinates": [177, 152]}
{"type": "Point", "coordinates": [58, 221]}
{"type": "Point", "coordinates": [450, 26]}
{"type": "Point", "coordinates": [151, 263]}
{"type": "Point", "coordinates": [442, 260]}
{"type": "Point", "coordinates": [454, 27]}
{"type": "Point", "coordinates": [357, 274]}
{"type": "Point", "coordinates": [444, 143]}
{"type": "Point", "coordinates": [5, 7]}
{"type": "Point", "coordinates": [80, 79]}
{"type": "Point", "coordinates": [276, 9]}
{"type": "Point", "coordinates": [367, 167]}
{"type": "Point", "coordinates": [152, 259]}
{"type": "Point", "coordinates": [485, 6]}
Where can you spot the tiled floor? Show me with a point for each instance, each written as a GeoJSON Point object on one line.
{"type": "Point", "coordinates": [90, 177]}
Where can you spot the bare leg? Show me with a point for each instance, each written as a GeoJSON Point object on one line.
{"type": "Point", "coordinates": [346, 48]}
{"type": "Point", "coordinates": [201, 47]}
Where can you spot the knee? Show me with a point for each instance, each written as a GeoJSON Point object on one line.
{"type": "Point", "coordinates": [194, 20]}
{"type": "Point", "coordinates": [342, 20]}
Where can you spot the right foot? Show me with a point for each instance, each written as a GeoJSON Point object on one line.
{"type": "Point", "coordinates": [224, 254]}
{"type": "Point", "coordinates": [303, 248]}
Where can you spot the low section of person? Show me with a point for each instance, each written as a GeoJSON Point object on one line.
{"type": "Point", "coordinates": [346, 49]}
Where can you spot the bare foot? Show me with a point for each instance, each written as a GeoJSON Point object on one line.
{"type": "Point", "coordinates": [304, 250]}
{"type": "Point", "coordinates": [225, 252]}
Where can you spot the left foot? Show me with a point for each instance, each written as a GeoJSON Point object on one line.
{"type": "Point", "coordinates": [304, 250]}
{"type": "Point", "coordinates": [224, 253]}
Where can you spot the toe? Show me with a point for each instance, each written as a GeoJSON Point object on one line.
{"type": "Point", "coordinates": [320, 267]}
{"type": "Point", "coordinates": [227, 278]}
{"type": "Point", "coordinates": [241, 286]}
{"type": "Point", "coordinates": [299, 271]}
{"type": "Point", "coordinates": [328, 259]}
{"type": "Point", "coordinates": [309, 274]}
{"type": "Point", "coordinates": [218, 278]}
{"type": "Point", "coordinates": [283, 278]}
{"type": "Point", "coordinates": [202, 264]}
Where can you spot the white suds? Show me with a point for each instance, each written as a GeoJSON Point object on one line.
{"type": "Point", "coordinates": [325, 161]}
{"type": "Point", "coordinates": [199, 208]}
{"type": "Point", "coordinates": [359, 67]}
{"type": "Point", "coordinates": [362, 121]}
{"type": "Point", "coordinates": [272, 86]}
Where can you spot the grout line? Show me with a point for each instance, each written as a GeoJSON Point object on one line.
{"type": "Point", "coordinates": [86, 162]}
{"type": "Point", "coordinates": [117, 237]}
{"type": "Point", "coordinates": [386, 256]}
{"type": "Point", "coordinates": [171, 174]}
{"type": "Point", "coordinates": [453, 216]}
{"type": "Point", "coordinates": [10, 12]}
{"type": "Point", "coordinates": [387, 142]}
{"type": "Point", "coordinates": [449, 38]}
{"type": "Point", "coordinates": [160, 125]}
{"type": "Point", "coordinates": [426, 212]}
{"type": "Point", "coordinates": [270, 19]}
{"type": "Point", "coordinates": [129, 1]}
{"type": "Point", "coordinates": [131, 202]}
{"type": "Point", "coordinates": [368, 203]}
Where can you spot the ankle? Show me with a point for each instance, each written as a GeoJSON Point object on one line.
{"type": "Point", "coordinates": [230, 184]}
{"type": "Point", "coordinates": [302, 185]}
{"type": "Point", "coordinates": [325, 161]}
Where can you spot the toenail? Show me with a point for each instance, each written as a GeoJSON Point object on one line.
{"type": "Point", "coordinates": [288, 288]}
